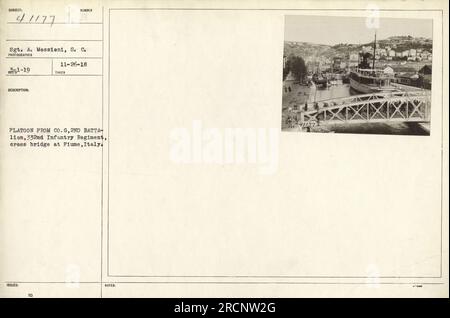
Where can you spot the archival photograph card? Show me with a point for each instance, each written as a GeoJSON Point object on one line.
{"type": "Point", "coordinates": [223, 148]}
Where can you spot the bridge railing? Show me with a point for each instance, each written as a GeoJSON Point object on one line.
{"type": "Point", "coordinates": [407, 105]}
{"type": "Point", "coordinates": [313, 106]}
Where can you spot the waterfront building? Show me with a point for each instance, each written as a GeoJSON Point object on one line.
{"type": "Point", "coordinates": [388, 70]}
{"type": "Point", "coordinates": [409, 79]}
{"type": "Point", "coordinates": [426, 70]}
{"type": "Point", "coordinates": [402, 70]}
{"type": "Point", "coordinates": [425, 73]}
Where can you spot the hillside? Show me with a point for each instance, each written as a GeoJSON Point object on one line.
{"type": "Point", "coordinates": [398, 43]}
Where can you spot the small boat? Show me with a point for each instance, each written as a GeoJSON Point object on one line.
{"type": "Point", "coordinates": [320, 80]}
{"type": "Point", "coordinates": [333, 82]}
{"type": "Point", "coordinates": [346, 79]}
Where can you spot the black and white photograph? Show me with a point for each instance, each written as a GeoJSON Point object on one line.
{"type": "Point", "coordinates": [357, 75]}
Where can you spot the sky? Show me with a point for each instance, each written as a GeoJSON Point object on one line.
{"type": "Point", "coordinates": [353, 30]}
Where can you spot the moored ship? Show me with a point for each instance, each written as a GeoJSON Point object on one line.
{"type": "Point", "coordinates": [367, 80]}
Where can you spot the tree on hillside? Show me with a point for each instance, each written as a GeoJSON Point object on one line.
{"type": "Point", "coordinates": [297, 67]}
{"type": "Point", "coordinates": [286, 70]}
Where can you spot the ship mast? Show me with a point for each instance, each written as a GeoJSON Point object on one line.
{"type": "Point", "coordinates": [374, 49]}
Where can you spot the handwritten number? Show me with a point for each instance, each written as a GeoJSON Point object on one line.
{"type": "Point", "coordinates": [20, 17]}
{"type": "Point", "coordinates": [37, 19]}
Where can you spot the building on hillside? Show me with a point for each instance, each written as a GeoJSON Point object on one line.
{"type": "Point", "coordinates": [366, 49]}
{"type": "Point", "coordinates": [353, 60]}
{"type": "Point", "coordinates": [425, 55]}
{"type": "Point", "coordinates": [353, 57]}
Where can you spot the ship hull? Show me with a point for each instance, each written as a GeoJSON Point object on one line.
{"type": "Point", "coordinates": [361, 88]}
{"type": "Point", "coordinates": [367, 89]}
